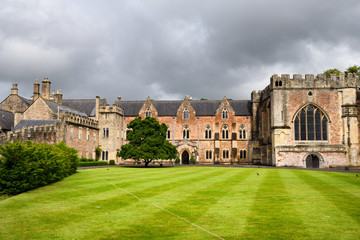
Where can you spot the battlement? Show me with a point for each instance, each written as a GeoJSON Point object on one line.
{"type": "Point", "coordinates": [79, 120]}
{"type": "Point", "coordinates": [106, 108]}
{"type": "Point", "coordinates": [320, 81]}
{"type": "Point", "coordinates": [38, 133]}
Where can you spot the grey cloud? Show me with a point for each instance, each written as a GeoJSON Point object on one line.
{"type": "Point", "coordinates": [136, 49]}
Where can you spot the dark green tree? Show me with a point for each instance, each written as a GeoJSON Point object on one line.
{"type": "Point", "coordinates": [353, 69]}
{"type": "Point", "coordinates": [147, 141]}
{"type": "Point", "coordinates": [332, 71]}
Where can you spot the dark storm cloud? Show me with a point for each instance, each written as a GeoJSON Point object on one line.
{"type": "Point", "coordinates": [168, 49]}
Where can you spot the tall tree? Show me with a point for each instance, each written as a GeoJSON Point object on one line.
{"type": "Point", "coordinates": [147, 141]}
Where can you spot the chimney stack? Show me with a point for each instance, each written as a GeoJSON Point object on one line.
{"type": "Point", "coordinates": [14, 89]}
{"type": "Point", "coordinates": [58, 97]}
{"type": "Point", "coordinates": [97, 108]}
{"type": "Point", "coordinates": [46, 89]}
{"type": "Point", "coordinates": [36, 90]}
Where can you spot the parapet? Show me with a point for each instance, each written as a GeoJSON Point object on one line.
{"type": "Point", "coordinates": [320, 81]}
{"type": "Point", "coordinates": [79, 120]}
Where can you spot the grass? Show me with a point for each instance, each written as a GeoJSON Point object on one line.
{"type": "Point", "coordinates": [188, 203]}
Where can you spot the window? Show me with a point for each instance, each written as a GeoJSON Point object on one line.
{"type": "Point", "coordinates": [107, 132]}
{"type": "Point", "coordinates": [225, 113]}
{"type": "Point", "coordinates": [225, 154]}
{"type": "Point", "coordinates": [186, 132]}
{"type": "Point", "coordinates": [208, 132]}
{"type": "Point", "coordinates": [71, 132]}
{"type": "Point", "coordinates": [148, 112]}
{"type": "Point", "coordinates": [242, 154]}
{"type": "Point", "coordinates": [87, 134]}
{"type": "Point", "coordinates": [105, 155]}
{"type": "Point", "coordinates": [186, 113]}
{"type": "Point", "coordinates": [310, 124]}
{"type": "Point", "coordinates": [168, 134]}
{"type": "Point", "coordinates": [242, 132]}
{"type": "Point", "coordinates": [80, 133]}
{"type": "Point", "coordinates": [225, 132]}
{"type": "Point", "coordinates": [104, 132]}
{"type": "Point", "coordinates": [208, 154]}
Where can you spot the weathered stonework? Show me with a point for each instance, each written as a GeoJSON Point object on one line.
{"type": "Point", "coordinates": [300, 122]}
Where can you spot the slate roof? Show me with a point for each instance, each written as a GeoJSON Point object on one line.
{"type": "Point", "coordinates": [87, 106]}
{"type": "Point", "coordinates": [32, 123]}
{"type": "Point", "coordinates": [54, 106]}
{"type": "Point", "coordinates": [202, 107]}
{"type": "Point", "coordinates": [27, 101]}
{"type": "Point", "coordinates": [167, 107]}
{"type": "Point", "coordinates": [6, 120]}
{"type": "Point", "coordinates": [131, 108]}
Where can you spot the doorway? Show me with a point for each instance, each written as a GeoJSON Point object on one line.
{"type": "Point", "coordinates": [312, 161]}
{"type": "Point", "coordinates": [185, 157]}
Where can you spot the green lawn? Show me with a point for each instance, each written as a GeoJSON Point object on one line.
{"type": "Point", "coordinates": [188, 203]}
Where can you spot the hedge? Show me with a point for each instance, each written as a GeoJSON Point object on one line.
{"type": "Point", "coordinates": [26, 166]}
{"type": "Point", "coordinates": [92, 163]}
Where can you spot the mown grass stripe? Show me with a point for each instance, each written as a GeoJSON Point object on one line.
{"type": "Point", "coordinates": [148, 192]}
{"type": "Point", "coordinates": [273, 216]}
{"type": "Point", "coordinates": [345, 202]}
{"type": "Point", "coordinates": [188, 209]}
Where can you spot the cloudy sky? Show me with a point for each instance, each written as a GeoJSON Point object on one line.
{"type": "Point", "coordinates": [169, 49]}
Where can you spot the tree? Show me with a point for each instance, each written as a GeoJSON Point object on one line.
{"type": "Point", "coordinates": [332, 71]}
{"type": "Point", "coordinates": [147, 141]}
{"type": "Point", "coordinates": [353, 69]}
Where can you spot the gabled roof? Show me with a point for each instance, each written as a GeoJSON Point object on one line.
{"type": "Point", "coordinates": [170, 107]}
{"type": "Point", "coordinates": [32, 123]}
{"type": "Point", "coordinates": [55, 107]}
{"type": "Point", "coordinates": [87, 106]}
{"type": "Point", "coordinates": [6, 120]}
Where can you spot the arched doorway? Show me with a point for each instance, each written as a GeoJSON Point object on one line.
{"type": "Point", "coordinates": [312, 161]}
{"type": "Point", "coordinates": [185, 157]}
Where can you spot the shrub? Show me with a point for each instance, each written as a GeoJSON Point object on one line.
{"type": "Point", "coordinates": [177, 160]}
{"type": "Point", "coordinates": [86, 160]}
{"type": "Point", "coordinates": [25, 166]}
{"type": "Point", "coordinates": [93, 163]}
{"type": "Point", "coordinates": [98, 151]}
{"type": "Point", "coordinates": [192, 160]}
{"type": "Point", "coordinates": [112, 162]}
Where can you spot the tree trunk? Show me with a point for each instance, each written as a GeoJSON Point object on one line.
{"type": "Point", "coordinates": [147, 163]}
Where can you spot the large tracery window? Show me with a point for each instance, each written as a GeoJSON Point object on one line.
{"type": "Point", "coordinates": [310, 124]}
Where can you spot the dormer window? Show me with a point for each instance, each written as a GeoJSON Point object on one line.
{"type": "Point", "coordinates": [186, 113]}
{"type": "Point", "coordinates": [225, 113]}
{"type": "Point", "coordinates": [148, 112]}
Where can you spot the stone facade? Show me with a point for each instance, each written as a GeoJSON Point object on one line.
{"type": "Point", "coordinates": [300, 122]}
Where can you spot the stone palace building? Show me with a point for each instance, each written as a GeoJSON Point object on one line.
{"type": "Point", "coordinates": [310, 122]}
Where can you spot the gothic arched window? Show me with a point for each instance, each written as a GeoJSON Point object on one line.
{"type": "Point", "coordinates": [310, 124]}
{"type": "Point", "coordinates": [225, 132]}
{"type": "Point", "coordinates": [186, 132]}
{"type": "Point", "coordinates": [208, 132]}
{"type": "Point", "coordinates": [148, 112]}
{"type": "Point", "coordinates": [186, 113]}
{"type": "Point", "coordinates": [225, 113]}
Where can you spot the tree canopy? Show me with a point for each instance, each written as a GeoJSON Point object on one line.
{"type": "Point", "coordinates": [147, 141]}
{"type": "Point", "coordinates": [352, 69]}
